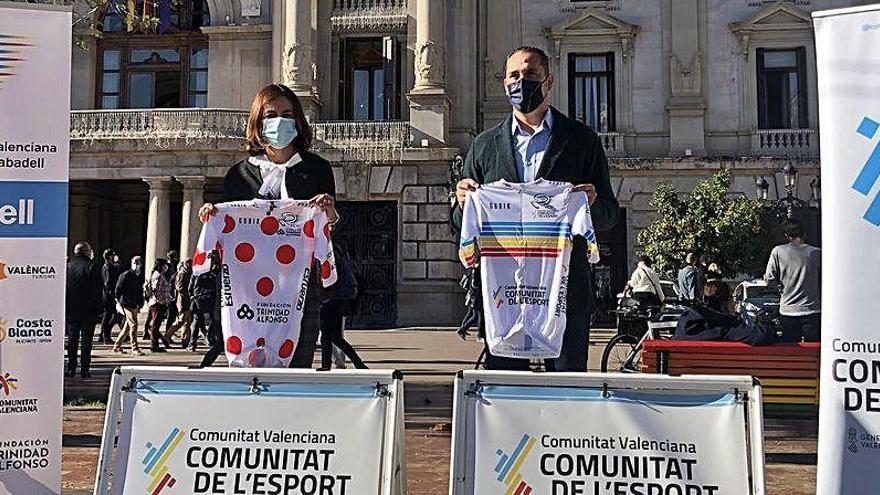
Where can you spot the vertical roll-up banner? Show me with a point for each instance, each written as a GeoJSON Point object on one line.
{"type": "Point", "coordinates": [35, 53]}
{"type": "Point", "coordinates": [848, 67]}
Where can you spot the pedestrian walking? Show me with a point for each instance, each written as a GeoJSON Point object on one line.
{"type": "Point", "coordinates": [205, 297]}
{"type": "Point", "coordinates": [159, 297]}
{"type": "Point", "coordinates": [335, 306]}
{"type": "Point", "coordinates": [84, 300]}
{"type": "Point", "coordinates": [130, 298]}
{"type": "Point", "coordinates": [644, 283]}
{"type": "Point", "coordinates": [690, 283]}
{"type": "Point", "coordinates": [109, 275]}
{"type": "Point", "coordinates": [796, 268]}
{"type": "Point", "coordinates": [183, 303]}
{"type": "Point", "coordinates": [171, 275]}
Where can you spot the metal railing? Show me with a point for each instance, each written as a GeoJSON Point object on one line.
{"type": "Point", "coordinates": [368, 14]}
{"type": "Point", "coordinates": [786, 142]}
{"type": "Point", "coordinates": [613, 143]}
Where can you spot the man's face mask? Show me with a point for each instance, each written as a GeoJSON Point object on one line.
{"type": "Point", "coordinates": [526, 96]}
{"type": "Point", "coordinates": [279, 131]}
{"type": "Point", "coordinates": [136, 267]}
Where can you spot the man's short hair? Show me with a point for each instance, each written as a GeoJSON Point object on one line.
{"type": "Point", "coordinates": [793, 229]}
{"type": "Point", "coordinates": [690, 258]}
{"type": "Point", "coordinates": [645, 259]}
{"type": "Point", "coordinates": [542, 57]}
{"type": "Point", "coordinates": [716, 293]}
{"type": "Point", "coordinates": [82, 249]}
{"type": "Point", "coordinates": [108, 253]}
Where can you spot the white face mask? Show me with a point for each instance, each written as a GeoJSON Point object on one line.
{"type": "Point", "coordinates": [136, 268]}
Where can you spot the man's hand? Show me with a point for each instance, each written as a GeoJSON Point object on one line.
{"type": "Point", "coordinates": [463, 188]}
{"type": "Point", "coordinates": [327, 203]}
{"type": "Point", "coordinates": [589, 189]}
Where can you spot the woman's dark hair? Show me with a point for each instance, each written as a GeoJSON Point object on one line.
{"type": "Point", "coordinates": [645, 259]}
{"type": "Point", "coordinates": [159, 264]}
{"type": "Point", "coordinates": [793, 229]}
{"type": "Point", "coordinates": [716, 294]}
{"type": "Point", "coordinates": [255, 144]}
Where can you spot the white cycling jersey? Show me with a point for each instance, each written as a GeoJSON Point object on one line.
{"type": "Point", "coordinates": [521, 234]}
{"type": "Point", "coordinates": [268, 249]}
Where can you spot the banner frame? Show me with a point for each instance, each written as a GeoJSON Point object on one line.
{"type": "Point", "coordinates": [393, 465]}
{"type": "Point", "coordinates": [463, 426]}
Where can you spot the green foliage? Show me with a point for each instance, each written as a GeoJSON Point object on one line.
{"type": "Point", "coordinates": [727, 228]}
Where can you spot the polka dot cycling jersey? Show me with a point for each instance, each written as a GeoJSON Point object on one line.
{"type": "Point", "coordinates": [267, 251]}
{"type": "Point", "coordinates": [521, 235]}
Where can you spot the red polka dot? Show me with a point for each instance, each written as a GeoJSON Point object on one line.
{"type": "Point", "coordinates": [309, 228]}
{"type": "Point", "coordinates": [327, 230]}
{"type": "Point", "coordinates": [233, 345]}
{"type": "Point", "coordinates": [286, 349]}
{"type": "Point", "coordinates": [269, 225]}
{"type": "Point", "coordinates": [228, 224]}
{"type": "Point", "coordinates": [199, 258]}
{"type": "Point", "coordinates": [265, 286]}
{"type": "Point", "coordinates": [285, 254]}
{"type": "Point", "coordinates": [219, 248]}
{"type": "Point", "coordinates": [261, 342]}
{"type": "Point", "coordinates": [326, 269]}
{"type": "Point", "coordinates": [244, 252]}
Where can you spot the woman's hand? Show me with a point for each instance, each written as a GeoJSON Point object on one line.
{"type": "Point", "coordinates": [327, 203]}
{"type": "Point", "coordinates": [207, 211]}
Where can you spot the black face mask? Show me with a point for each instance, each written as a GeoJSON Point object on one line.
{"type": "Point", "coordinates": [526, 96]}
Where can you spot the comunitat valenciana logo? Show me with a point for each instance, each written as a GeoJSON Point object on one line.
{"type": "Point", "coordinates": [870, 172]}
{"type": "Point", "coordinates": [156, 462]}
{"type": "Point", "coordinates": [8, 383]}
{"type": "Point", "coordinates": [507, 469]}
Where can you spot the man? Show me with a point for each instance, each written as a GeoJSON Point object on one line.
{"type": "Point", "coordinates": [109, 276]}
{"type": "Point", "coordinates": [690, 283]}
{"type": "Point", "coordinates": [715, 320]}
{"type": "Point", "coordinates": [645, 283]}
{"type": "Point", "coordinates": [130, 296]}
{"type": "Point", "coordinates": [538, 141]}
{"type": "Point", "coordinates": [796, 269]}
{"type": "Point", "coordinates": [205, 290]}
{"type": "Point", "coordinates": [84, 300]}
{"type": "Point", "coordinates": [171, 276]}
{"type": "Point", "coordinates": [183, 303]}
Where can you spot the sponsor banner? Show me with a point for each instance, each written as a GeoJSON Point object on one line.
{"type": "Point", "coordinates": [33, 209]}
{"type": "Point", "coordinates": [250, 436]}
{"type": "Point", "coordinates": [35, 122]}
{"type": "Point", "coordinates": [32, 275]}
{"type": "Point", "coordinates": [849, 117]}
{"type": "Point", "coordinates": [605, 440]}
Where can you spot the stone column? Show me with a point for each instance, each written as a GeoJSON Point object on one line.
{"type": "Point", "coordinates": [298, 67]}
{"type": "Point", "coordinates": [687, 105]}
{"type": "Point", "coordinates": [277, 38]}
{"type": "Point", "coordinates": [158, 220]}
{"type": "Point", "coordinates": [429, 102]}
{"type": "Point", "coordinates": [190, 225]}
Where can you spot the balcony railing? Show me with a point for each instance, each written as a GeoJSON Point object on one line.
{"type": "Point", "coordinates": [356, 141]}
{"type": "Point", "coordinates": [786, 143]}
{"type": "Point", "coordinates": [374, 15]}
{"type": "Point", "coordinates": [613, 144]}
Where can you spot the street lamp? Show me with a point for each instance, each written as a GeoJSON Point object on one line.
{"type": "Point", "coordinates": [816, 190]}
{"type": "Point", "coordinates": [762, 187]}
{"type": "Point", "coordinates": [789, 173]}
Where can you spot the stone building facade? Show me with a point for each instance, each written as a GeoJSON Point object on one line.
{"type": "Point", "coordinates": [396, 89]}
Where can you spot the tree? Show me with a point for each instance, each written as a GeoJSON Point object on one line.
{"type": "Point", "coordinates": [88, 15]}
{"type": "Point", "coordinates": [709, 220]}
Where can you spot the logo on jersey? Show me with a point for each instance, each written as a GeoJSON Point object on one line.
{"type": "Point", "coordinates": [288, 225]}
{"type": "Point", "coordinates": [245, 312]}
{"type": "Point", "coordinates": [542, 202]}
{"type": "Point", "coordinates": [498, 206]}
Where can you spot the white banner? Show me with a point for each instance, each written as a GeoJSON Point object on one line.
{"type": "Point", "coordinates": [35, 41]}
{"type": "Point", "coordinates": [295, 437]}
{"type": "Point", "coordinates": [589, 440]}
{"type": "Point", "coordinates": [848, 67]}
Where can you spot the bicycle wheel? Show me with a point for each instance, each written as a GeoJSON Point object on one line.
{"type": "Point", "coordinates": [622, 353]}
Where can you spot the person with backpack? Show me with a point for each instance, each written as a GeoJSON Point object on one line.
{"type": "Point", "coordinates": [644, 284]}
{"type": "Point", "coordinates": [336, 302]}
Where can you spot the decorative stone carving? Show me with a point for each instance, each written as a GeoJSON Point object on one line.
{"type": "Point", "coordinates": [686, 77]}
{"type": "Point", "coordinates": [429, 64]}
{"type": "Point", "coordinates": [297, 73]}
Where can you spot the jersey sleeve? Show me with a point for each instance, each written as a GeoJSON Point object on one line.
{"type": "Point", "coordinates": [324, 249]}
{"type": "Point", "coordinates": [582, 223]}
{"type": "Point", "coordinates": [470, 230]}
{"type": "Point", "coordinates": [209, 240]}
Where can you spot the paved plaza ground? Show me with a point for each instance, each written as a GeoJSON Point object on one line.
{"type": "Point", "coordinates": [429, 359]}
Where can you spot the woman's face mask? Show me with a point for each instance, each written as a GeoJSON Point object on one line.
{"type": "Point", "coordinates": [279, 132]}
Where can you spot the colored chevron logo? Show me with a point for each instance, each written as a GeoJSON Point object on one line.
{"type": "Point", "coordinates": [870, 173]}
{"type": "Point", "coordinates": [12, 48]}
{"type": "Point", "coordinates": [155, 462]}
{"type": "Point", "coordinates": [508, 467]}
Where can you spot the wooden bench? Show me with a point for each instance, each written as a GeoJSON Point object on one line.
{"type": "Point", "coordinates": [789, 373]}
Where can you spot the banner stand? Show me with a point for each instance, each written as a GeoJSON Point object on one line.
{"type": "Point", "coordinates": [330, 432]}
{"type": "Point", "coordinates": [597, 434]}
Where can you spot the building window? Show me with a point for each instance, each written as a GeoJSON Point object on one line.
{"type": "Point", "coordinates": [370, 78]}
{"type": "Point", "coordinates": [591, 90]}
{"type": "Point", "coordinates": [164, 68]}
{"type": "Point", "coordinates": [782, 89]}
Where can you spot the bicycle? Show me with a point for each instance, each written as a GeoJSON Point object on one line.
{"type": "Point", "coordinates": [623, 353]}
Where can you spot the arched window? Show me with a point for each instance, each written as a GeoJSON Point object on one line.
{"type": "Point", "coordinates": [161, 63]}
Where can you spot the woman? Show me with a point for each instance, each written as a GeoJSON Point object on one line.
{"type": "Point", "coordinates": [160, 297]}
{"type": "Point", "coordinates": [281, 167]}
{"type": "Point", "coordinates": [336, 302]}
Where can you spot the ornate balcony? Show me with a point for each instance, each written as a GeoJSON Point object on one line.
{"type": "Point", "coordinates": [371, 15]}
{"type": "Point", "coordinates": [354, 141]}
{"type": "Point", "coordinates": [791, 143]}
{"type": "Point", "coordinates": [613, 144]}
